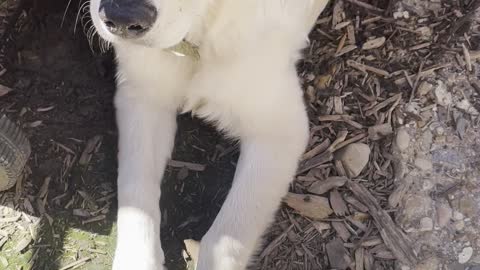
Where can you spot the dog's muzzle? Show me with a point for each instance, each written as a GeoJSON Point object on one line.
{"type": "Point", "coordinates": [128, 19]}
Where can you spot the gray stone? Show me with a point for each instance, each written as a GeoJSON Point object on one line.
{"type": "Point", "coordinates": [425, 87]}
{"type": "Point", "coordinates": [442, 96]}
{"type": "Point", "coordinates": [354, 158]}
{"type": "Point", "coordinates": [432, 263]}
{"type": "Point", "coordinates": [459, 225]}
{"type": "Point", "coordinates": [415, 207]}
{"type": "Point", "coordinates": [465, 255]}
{"type": "Point", "coordinates": [466, 107]}
{"type": "Point", "coordinates": [444, 214]}
{"type": "Point", "coordinates": [423, 164]}
{"type": "Point", "coordinates": [402, 140]}
{"type": "Point", "coordinates": [426, 224]}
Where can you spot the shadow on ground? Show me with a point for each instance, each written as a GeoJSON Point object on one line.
{"type": "Point", "coordinates": [63, 98]}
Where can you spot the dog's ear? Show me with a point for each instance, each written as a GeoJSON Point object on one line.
{"type": "Point", "coordinates": [190, 254]}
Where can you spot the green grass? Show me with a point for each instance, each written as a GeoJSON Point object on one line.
{"type": "Point", "coordinates": [61, 244]}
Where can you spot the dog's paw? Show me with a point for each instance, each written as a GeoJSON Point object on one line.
{"type": "Point", "coordinates": [136, 259]}
{"type": "Point", "coordinates": [190, 254]}
{"type": "Point", "coordinates": [221, 253]}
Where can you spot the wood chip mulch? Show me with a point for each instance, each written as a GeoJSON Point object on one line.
{"type": "Point", "coordinates": [364, 64]}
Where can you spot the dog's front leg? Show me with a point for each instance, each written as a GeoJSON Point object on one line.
{"type": "Point", "coordinates": [270, 150]}
{"type": "Point", "coordinates": [146, 135]}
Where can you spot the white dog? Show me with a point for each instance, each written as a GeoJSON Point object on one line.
{"type": "Point", "coordinates": [238, 71]}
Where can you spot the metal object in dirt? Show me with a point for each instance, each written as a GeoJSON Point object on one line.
{"type": "Point", "coordinates": [14, 152]}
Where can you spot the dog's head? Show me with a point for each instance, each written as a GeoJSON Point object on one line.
{"type": "Point", "coordinates": [154, 23]}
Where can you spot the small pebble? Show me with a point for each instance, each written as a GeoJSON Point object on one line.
{"type": "Point", "coordinates": [402, 139]}
{"type": "Point", "coordinates": [466, 107]}
{"type": "Point", "coordinates": [432, 263]}
{"type": "Point", "coordinates": [439, 131]}
{"type": "Point", "coordinates": [354, 158]}
{"type": "Point", "coordinates": [426, 224]}
{"type": "Point", "coordinates": [459, 225]}
{"type": "Point", "coordinates": [401, 15]}
{"type": "Point", "coordinates": [444, 215]}
{"type": "Point", "coordinates": [424, 88]}
{"type": "Point", "coordinates": [457, 215]}
{"type": "Point", "coordinates": [423, 164]}
{"type": "Point", "coordinates": [442, 96]}
{"type": "Point", "coordinates": [465, 255]}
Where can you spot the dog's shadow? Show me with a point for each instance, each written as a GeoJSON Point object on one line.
{"type": "Point", "coordinates": [55, 68]}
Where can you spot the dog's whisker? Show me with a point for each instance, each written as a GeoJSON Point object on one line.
{"type": "Point", "coordinates": [86, 3]}
{"type": "Point", "coordinates": [89, 36]}
{"type": "Point", "coordinates": [87, 26]}
{"type": "Point", "coordinates": [65, 13]}
{"type": "Point", "coordinates": [83, 11]}
{"type": "Point", "coordinates": [80, 13]}
{"type": "Point", "coordinates": [84, 21]}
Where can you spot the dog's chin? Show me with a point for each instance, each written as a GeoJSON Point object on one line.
{"type": "Point", "coordinates": [150, 40]}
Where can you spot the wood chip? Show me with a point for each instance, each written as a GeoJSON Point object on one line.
{"type": "Point", "coordinates": [399, 192]}
{"type": "Point", "coordinates": [323, 81]}
{"type": "Point", "coordinates": [366, 5]}
{"type": "Point", "coordinates": [46, 109]}
{"type": "Point", "coordinates": [310, 206]}
{"type": "Point", "coordinates": [393, 237]}
{"type": "Point", "coordinates": [34, 124]}
{"type": "Point", "coordinates": [277, 241]}
{"type": "Point", "coordinates": [374, 43]}
{"type": "Point", "coordinates": [351, 35]}
{"type": "Point", "coordinates": [383, 104]}
{"type": "Point", "coordinates": [4, 262]}
{"type": "Point", "coordinates": [321, 226]}
{"type": "Point", "coordinates": [420, 46]}
{"type": "Point", "coordinates": [341, 230]}
{"type": "Point", "coordinates": [346, 49]}
{"type": "Point", "coordinates": [468, 58]}
{"type": "Point", "coordinates": [23, 243]}
{"type": "Point", "coordinates": [368, 260]}
{"type": "Point", "coordinates": [4, 90]}
{"type": "Point", "coordinates": [354, 139]}
{"type": "Point", "coordinates": [424, 73]}
{"type": "Point", "coordinates": [338, 204]}
{"type": "Point", "coordinates": [342, 25]}
{"type": "Point", "coordinates": [365, 68]}
{"type": "Point", "coordinates": [338, 255]}
{"type": "Point", "coordinates": [44, 189]}
{"type": "Point", "coordinates": [318, 160]}
{"type": "Point", "coordinates": [94, 219]}
{"type": "Point", "coordinates": [321, 187]}
{"type": "Point", "coordinates": [191, 166]}
{"type": "Point", "coordinates": [341, 44]}
{"type": "Point", "coordinates": [90, 148]}
{"type": "Point", "coordinates": [341, 136]}
{"type": "Point", "coordinates": [338, 13]}
{"type": "Point", "coordinates": [379, 131]}
{"type": "Point", "coordinates": [76, 263]}
{"type": "Point", "coordinates": [322, 147]}
{"type": "Point", "coordinates": [359, 258]}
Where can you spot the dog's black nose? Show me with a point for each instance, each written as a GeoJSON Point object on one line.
{"type": "Point", "coordinates": [127, 18]}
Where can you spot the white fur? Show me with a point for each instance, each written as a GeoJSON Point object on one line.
{"type": "Point", "coordinates": [245, 82]}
